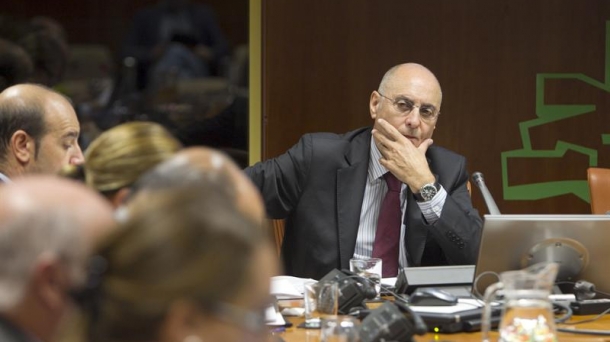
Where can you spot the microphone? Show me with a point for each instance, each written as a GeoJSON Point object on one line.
{"type": "Point", "coordinates": [392, 321]}
{"type": "Point", "coordinates": [477, 177]}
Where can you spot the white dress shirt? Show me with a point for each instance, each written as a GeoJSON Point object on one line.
{"type": "Point", "coordinates": [374, 192]}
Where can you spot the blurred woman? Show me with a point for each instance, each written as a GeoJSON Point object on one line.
{"type": "Point", "coordinates": [116, 158]}
{"type": "Point", "coordinates": [186, 266]}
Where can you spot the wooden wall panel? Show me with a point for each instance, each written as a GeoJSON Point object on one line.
{"type": "Point", "coordinates": [322, 59]}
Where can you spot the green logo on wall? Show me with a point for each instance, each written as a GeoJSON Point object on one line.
{"type": "Point", "coordinates": [545, 115]}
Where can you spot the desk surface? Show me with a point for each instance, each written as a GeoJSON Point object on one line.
{"type": "Point", "coordinates": [294, 334]}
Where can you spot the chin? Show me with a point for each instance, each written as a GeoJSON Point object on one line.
{"type": "Point", "coordinates": [415, 141]}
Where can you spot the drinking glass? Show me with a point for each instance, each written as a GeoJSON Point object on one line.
{"type": "Point", "coordinates": [369, 269]}
{"type": "Point", "coordinates": [339, 329]}
{"type": "Point", "coordinates": [321, 300]}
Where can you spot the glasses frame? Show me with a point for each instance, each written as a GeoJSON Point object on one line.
{"type": "Point", "coordinates": [395, 103]}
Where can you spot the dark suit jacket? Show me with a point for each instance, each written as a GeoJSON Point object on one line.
{"type": "Point", "coordinates": [318, 186]}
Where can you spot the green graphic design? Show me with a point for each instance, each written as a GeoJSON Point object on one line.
{"type": "Point", "coordinates": [550, 113]}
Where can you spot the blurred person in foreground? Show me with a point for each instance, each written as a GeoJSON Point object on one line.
{"type": "Point", "coordinates": [120, 155]}
{"type": "Point", "coordinates": [38, 132]}
{"type": "Point", "coordinates": [185, 266]}
{"type": "Point", "coordinates": [196, 165]}
{"type": "Point", "coordinates": [48, 227]}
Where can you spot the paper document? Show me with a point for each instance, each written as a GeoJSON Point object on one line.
{"type": "Point", "coordinates": [273, 317]}
{"type": "Point", "coordinates": [464, 304]}
{"type": "Point", "coordinates": [287, 287]}
{"type": "Point", "coordinates": [388, 282]}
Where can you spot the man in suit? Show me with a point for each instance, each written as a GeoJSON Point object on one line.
{"type": "Point", "coordinates": [332, 189]}
{"type": "Point", "coordinates": [48, 227]}
{"type": "Point", "coordinates": [38, 132]}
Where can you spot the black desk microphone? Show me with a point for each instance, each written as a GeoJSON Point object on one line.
{"type": "Point", "coordinates": [477, 177]}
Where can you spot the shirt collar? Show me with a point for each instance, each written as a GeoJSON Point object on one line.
{"type": "Point", "coordinates": [376, 170]}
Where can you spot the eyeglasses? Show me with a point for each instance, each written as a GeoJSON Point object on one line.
{"type": "Point", "coordinates": [405, 106]}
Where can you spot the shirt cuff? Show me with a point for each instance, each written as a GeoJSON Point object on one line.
{"type": "Point", "coordinates": [432, 209]}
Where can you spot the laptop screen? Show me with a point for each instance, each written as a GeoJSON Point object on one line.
{"type": "Point", "coordinates": [579, 243]}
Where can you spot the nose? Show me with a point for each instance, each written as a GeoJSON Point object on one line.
{"type": "Point", "coordinates": [413, 120]}
{"type": "Point", "coordinates": [77, 158]}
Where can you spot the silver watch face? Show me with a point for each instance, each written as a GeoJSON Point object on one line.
{"type": "Point", "coordinates": [428, 192]}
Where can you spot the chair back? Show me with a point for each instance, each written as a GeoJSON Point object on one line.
{"type": "Point", "coordinates": [599, 188]}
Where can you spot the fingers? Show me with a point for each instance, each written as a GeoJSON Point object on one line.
{"type": "Point", "coordinates": [381, 138]}
{"type": "Point", "coordinates": [423, 147]}
{"type": "Point", "coordinates": [388, 130]}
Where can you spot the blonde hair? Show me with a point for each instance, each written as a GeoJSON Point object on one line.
{"type": "Point", "coordinates": [120, 155]}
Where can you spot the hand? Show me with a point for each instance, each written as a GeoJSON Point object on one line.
{"type": "Point", "coordinates": [407, 162]}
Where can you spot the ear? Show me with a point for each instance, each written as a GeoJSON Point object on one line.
{"type": "Point", "coordinates": [23, 146]}
{"type": "Point", "coordinates": [120, 196]}
{"type": "Point", "coordinates": [374, 104]}
{"type": "Point", "coordinates": [50, 282]}
{"type": "Point", "coordinates": [181, 319]}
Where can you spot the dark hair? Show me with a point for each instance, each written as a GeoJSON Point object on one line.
{"type": "Point", "coordinates": [15, 64]}
{"type": "Point", "coordinates": [17, 114]}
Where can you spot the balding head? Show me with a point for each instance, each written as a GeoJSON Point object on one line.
{"type": "Point", "coordinates": [410, 72]}
{"type": "Point", "coordinates": [38, 131]}
{"type": "Point", "coordinates": [48, 226]}
{"type": "Point", "coordinates": [34, 195]}
{"type": "Point", "coordinates": [210, 161]}
{"type": "Point", "coordinates": [206, 165]}
{"type": "Point", "coordinates": [409, 98]}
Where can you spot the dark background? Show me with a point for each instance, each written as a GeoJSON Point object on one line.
{"type": "Point", "coordinates": [321, 60]}
{"type": "Point", "coordinates": [108, 21]}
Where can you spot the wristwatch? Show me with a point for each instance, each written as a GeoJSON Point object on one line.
{"type": "Point", "coordinates": [427, 192]}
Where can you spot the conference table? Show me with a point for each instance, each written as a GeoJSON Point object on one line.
{"type": "Point", "coordinates": [294, 334]}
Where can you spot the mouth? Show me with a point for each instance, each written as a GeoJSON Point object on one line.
{"type": "Point", "coordinates": [412, 138]}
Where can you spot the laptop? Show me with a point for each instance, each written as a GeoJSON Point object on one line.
{"type": "Point", "coordinates": [579, 243]}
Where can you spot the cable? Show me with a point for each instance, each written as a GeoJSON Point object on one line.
{"type": "Point", "coordinates": [589, 319]}
{"type": "Point", "coordinates": [582, 331]}
{"type": "Point", "coordinates": [585, 331]}
{"type": "Point", "coordinates": [476, 281]}
{"type": "Point", "coordinates": [566, 316]}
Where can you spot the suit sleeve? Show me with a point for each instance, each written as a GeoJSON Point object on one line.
{"type": "Point", "coordinates": [282, 179]}
{"type": "Point", "coordinates": [458, 231]}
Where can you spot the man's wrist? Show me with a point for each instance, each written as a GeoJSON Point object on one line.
{"type": "Point", "coordinates": [427, 192]}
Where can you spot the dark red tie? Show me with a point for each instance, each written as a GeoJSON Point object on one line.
{"type": "Point", "coordinates": [387, 237]}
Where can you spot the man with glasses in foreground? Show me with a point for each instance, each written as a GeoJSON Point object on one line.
{"type": "Point", "coordinates": [333, 189]}
{"type": "Point", "coordinates": [48, 228]}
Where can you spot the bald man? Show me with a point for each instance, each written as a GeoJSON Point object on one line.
{"type": "Point", "coordinates": [211, 168]}
{"type": "Point", "coordinates": [38, 132]}
{"type": "Point", "coordinates": [333, 189]}
{"type": "Point", "coordinates": [48, 226]}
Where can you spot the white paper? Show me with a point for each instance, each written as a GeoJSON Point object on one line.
{"type": "Point", "coordinates": [464, 304]}
{"type": "Point", "coordinates": [388, 282]}
{"type": "Point", "coordinates": [274, 317]}
{"type": "Point", "coordinates": [287, 287]}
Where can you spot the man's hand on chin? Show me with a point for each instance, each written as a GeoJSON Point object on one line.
{"type": "Point", "coordinates": [401, 157]}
